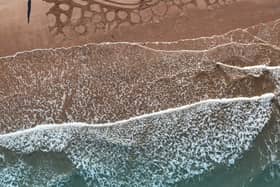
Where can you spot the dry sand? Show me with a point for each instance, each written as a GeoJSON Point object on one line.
{"type": "Point", "coordinates": [157, 21]}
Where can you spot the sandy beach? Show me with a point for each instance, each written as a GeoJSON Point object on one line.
{"type": "Point", "coordinates": [57, 24]}
{"type": "Point", "coordinates": [149, 93]}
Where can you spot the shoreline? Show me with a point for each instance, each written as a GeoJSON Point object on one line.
{"type": "Point", "coordinates": [154, 114]}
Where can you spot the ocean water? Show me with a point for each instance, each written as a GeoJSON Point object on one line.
{"type": "Point", "coordinates": [259, 166]}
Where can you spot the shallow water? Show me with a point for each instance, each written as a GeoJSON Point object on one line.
{"type": "Point", "coordinates": [235, 145]}
{"type": "Point", "coordinates": [259, 167]}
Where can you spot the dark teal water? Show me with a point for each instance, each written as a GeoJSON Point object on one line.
{"type": "Point", "coordinates": [259, 167]}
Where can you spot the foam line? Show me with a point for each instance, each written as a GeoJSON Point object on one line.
{"type": "Point", "coordinates": [122, 122]}
{"type": "Point", "coordinates": [250, 67]}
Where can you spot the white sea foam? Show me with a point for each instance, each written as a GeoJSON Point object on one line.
{"type": "Point", "coordinates": [155, 149]}
{"type": "Point", "coordinates": [78, 124]}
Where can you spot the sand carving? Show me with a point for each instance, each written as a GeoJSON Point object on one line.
{"type": "Point", "coordinates": [68, 17]}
